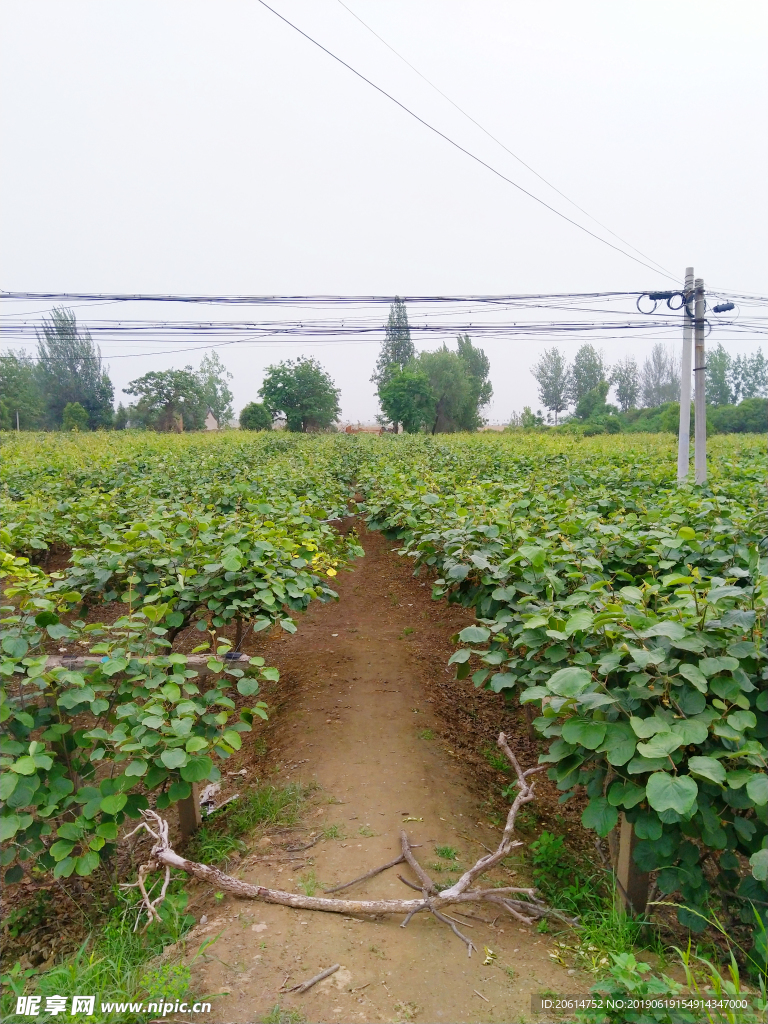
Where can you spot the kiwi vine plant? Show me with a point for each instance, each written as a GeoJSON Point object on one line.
{"type": "Point", "coordinates": [628, 610]}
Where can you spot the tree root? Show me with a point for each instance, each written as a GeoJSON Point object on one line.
{"type": "Point", "coordinates": [521, 903]}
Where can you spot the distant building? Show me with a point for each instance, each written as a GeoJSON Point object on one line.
{"type": "Point", "coordinates": [211, 423]}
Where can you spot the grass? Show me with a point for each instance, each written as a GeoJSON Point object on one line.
{"type": "Point", "coordinates": [604, 927]}
{"type": "Point", "coordinates": [496, 759]}
{"type": "Point", "coordinates": [115, 964]}
{"type": "Point", "coordinates": [267, 805]}
{"type": "Point", "coordinates": [366, 831]}
{"type": "Point", "coordinates": [282, 1015]}
{"type": "Point", "coordinates": [447, 852]}
{"type": "Point", "coordinates": [333, 832]}
{"type": "Point", "coordinates": [425, 734]}
{"type": "Point", "coordinates": [309, 884]}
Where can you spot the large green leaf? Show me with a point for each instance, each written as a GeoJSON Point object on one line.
{"type": "Point", "coordinates": [197, 769]}
{"type": "Point", "coordinates": [176, 757]}
{"type": "Point", "coordinates": [585, 731]}
{"type": "Point", "coordinates": [671, 792]}
{"type": "Point", "coordinates": [708, 768]}
{"type": "Point", "coordinates": [600, 816]}
{"type": "Point", "coordinates": [569, 682]}
{"type": "Point", "coordinates": [474, 634]}
{"type": "Point", "coordinates": [757, 789]}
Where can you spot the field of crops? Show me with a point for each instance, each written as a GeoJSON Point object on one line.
{"type": "Point", "coordinates": [628, 612]}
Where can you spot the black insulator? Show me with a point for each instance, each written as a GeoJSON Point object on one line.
{"type": "Point", "coordinates": [723, 307]}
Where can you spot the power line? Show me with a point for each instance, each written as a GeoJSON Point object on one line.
{"type": "Point", "coordinates": [500, 143]}
{"type": "Point", "coordinates": [461, 148]}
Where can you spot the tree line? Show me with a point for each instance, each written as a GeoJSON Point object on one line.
{"type": "Point", "coordinates": [584, 385]}
{"type": "Point", "coordinates": [66, 387]}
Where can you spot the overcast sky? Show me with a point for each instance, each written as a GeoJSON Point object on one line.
{"type": "Point", "coordinates": [158, 146]}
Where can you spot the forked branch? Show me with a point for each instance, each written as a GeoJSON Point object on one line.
{"type": "Point", "coordinates": [522, 903]}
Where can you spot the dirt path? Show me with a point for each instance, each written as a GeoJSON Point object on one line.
{"type": "Point", "coordinates": [362, 723]}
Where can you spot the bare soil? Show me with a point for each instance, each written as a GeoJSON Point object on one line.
{"type": "Point", "coordinates": [371, 715]}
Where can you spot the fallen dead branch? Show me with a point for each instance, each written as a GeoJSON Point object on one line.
{"type": "Point", "coordinates": [520, 902]}
{"type": "Point", "coordinates": [307, 985]}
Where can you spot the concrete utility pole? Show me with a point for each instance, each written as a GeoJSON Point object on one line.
{"type": "Point", "coordinates": [684, 435]}
{"type": "Point", "coordinates": [700, 412]}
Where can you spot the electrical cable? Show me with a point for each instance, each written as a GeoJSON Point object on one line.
{"type": "Point", "coordinates": [500, 143]}
{"type": "Point", "coordinates": [461, 148]}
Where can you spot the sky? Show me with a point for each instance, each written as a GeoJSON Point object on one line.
{"type": "Point", "coordinates": [208, 148]}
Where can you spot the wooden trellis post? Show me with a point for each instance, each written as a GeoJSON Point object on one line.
{"type": "Point", "coordinates": [632, 883]}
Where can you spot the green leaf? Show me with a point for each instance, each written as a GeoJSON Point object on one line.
{"type": "Point", "coordinates": [660, 745]}
{"type": "Point", "coordinates": [759, 864]}
{"type": "Point", "coordinates": [474, 634]}
{"type": "Point", "coordinates": [195, 743]}
{"type": "Point", "coordinates": [8, 783]}
{"type": "Point", "coordinates": [647, 727]}
{"type": "Point", "coordinates": [111, 668]}
{"type": "Point", "coordinates": [671, 792]}
{"type": "Point", "coordinates": [690, 730]}
{"type": "Point", "coordinates": [87, 863]}
{"type": "Point", "coordinates": [113, 804]}
{"type": "Point", "coordinates": [580, 621]}
{"type": "Point", "coordinates": [586, 731]}
{"type": "Point", "coordinates": [600, 816]}
{"type": "Point", "coordinates": [137, 768]}
{"type": "Point", "coordinates": [24, 766]}
{"type": "Point", "coordinates": [707, 767]}
{"type": "Point", "coordinates": [648, 825]}
{"type": "Point", "coordinates": [15, 646]}
{"type": "Point", "coordinates": [64, 868]}
{"type": "Point", "coordinates": [625, 794]}
{"type": "Point", "coordinates": [233, 739]}
{"type": "Point", "coordinates": [757, 789]}
{"type": "Point", "coordinates": [619, 743]}
{"type": "Point", "coordinates": [247, 687]}
{"type": "Point", "coordinates": [61, 849]}
{"type": "Point", "coordinates": [741, 720]}
{"type": "Point", "coordinates": [174, 620]}
{"type": "Point", "coordinates": [673, 630]}
{"type": "Point", "coordinates": [711, 666]}
{"type": "Point", "coordinates": [197, 768]}
{"type": "Point", "coordinates": [695, 676]}
{"type": "Point", "coordinates": [460, 657]}
{"type": "Point", "coordinates": [9, 826]}
{"type": "Point", "coordinates": [502, 681]}
{"type": "Point", "coordinates": [536, 556]}
{"type": "Point", "coordinates": [569, 682]}
{"type": "Point", "coordinates": [179, 791]}
{"type": "Point", "coordinates": [174, 758]}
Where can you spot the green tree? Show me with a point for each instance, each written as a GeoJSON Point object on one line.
{"type": "Point", "coordinates": [19, 393]}
{"type": "Point", "coordinates": [168, 400]}
{"type": "Point", "coordinates": [453, 389]}
{"type": "Point", "coordinates": [719, 372]}
{"type": "Point", "coordinates": [586, 373]}
{"type": "Point", "coordinates": [121, 418]}
{"type": "Point", "coordinates": [749, 376]}
{"type": "Point", "coordinates": [593, 405]}
{"type": "Point", "coordinates": [255, 416]}
{"type": "Point", "coordinates": [69, 369]}
{"type": "Point", "coordinates": [213, 376]}
{"type": "Point", "coordinates": [660, 378]}
{"type": "Point", "coordinates": [478, 368]}
{"type": "Point", "coordinates": [407, 398]}
{"type": "Point", "coordinates": [397, 349]}
{"type": "Point", "coordinates": [303, 392]}
{"type": "Point", "coordinates": [74, 417]}
{"type": "Point", "coordinates": [626, 380]}
{"type": "Point", "coordinates": [553, 376]}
